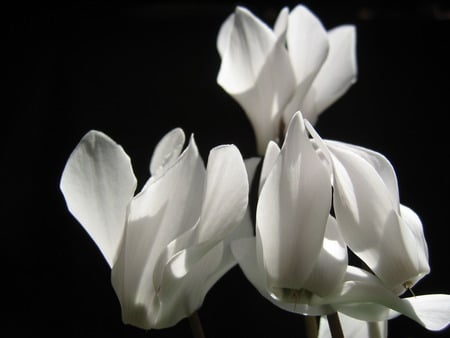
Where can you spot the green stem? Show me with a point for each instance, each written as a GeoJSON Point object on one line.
{"type": "Point", "coordinates": [311, 327]}
{"type": "Point", "coordinates": [196, 326]}
{"type": "Point", "coordinates": [335, 326]}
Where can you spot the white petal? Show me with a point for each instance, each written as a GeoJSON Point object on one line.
{"type": "Point", "coordinates": [223, 38]}
{"type": "Point", "coordinates": [272, 152]}
{"type": "Point", "coordinates": [292, 211]}
{"type": "Point", "coordinates": [431, 311]}
{"type": "Point", "coordinates": [256, 71]}
{"type": "Point", "coordinates": [167, 151]}
{"type": "Point", "coordinates": [378, 161]}
{"type": "Point", "coordinates": [363, 206]}
{"type": "Point", "coordinates": [307, 43]}
{"type": "Point", "coordinates": [337, 73]}
{"type": "Point", "coordinates": [281, 23]}
{"type": "Point", "coordinates": [165, 209]}
{"type": "Point", "coordinates": [98, 183]}
{"type": "Point", "coordinates": [331, 265]}
{"type": "Point", "coordinates": [354, 328]}
{"type": "Point", "coordinates": [226, 196]}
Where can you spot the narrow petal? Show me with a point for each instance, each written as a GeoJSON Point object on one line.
{"type": "Point", "coordinates": [223, 38]}
{"type": "Point", "coordinates": [98, 184]}
{"type": "Point", "coordinates": [226, 193]}
{"type": "Point", "coordinates": [270, 157]}
{"type": "Point", "coordinates": [294, 205]}
{"type": "Point", "coordinates": [165, 209]}
{"type": "Point", "coordinates": [256, 71]}
{"type": "Point", "coordinates": [337, 74]}
{"type": "Point", "coordinates": [167, 151]}
{"type": "Point", "coordinates": [281, 23]}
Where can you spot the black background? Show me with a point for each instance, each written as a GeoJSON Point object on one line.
{"type": "Point", "coordinates": [137, 70]}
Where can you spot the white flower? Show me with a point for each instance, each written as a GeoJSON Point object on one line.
{"type": "Point", "coordinates": [166, 245]}
{"type": "Point", "coordinates": [274, 73]}
{"type": "Point", "coordinates": [386, 235]}
{"type": "Point", "coordinates": [298, 259]}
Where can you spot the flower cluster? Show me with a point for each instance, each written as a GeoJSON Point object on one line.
{"type": "Point", "coordinates": [317, 199]}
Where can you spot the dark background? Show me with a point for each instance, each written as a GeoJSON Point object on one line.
{"type": "Point", "coordinates": [137, 70]}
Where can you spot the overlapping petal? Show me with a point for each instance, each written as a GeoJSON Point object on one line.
{"type": "Point", "coordinates": [98, 183]}
{"type": "Point", "coordinates": [274, 73]}
{"type": "Point", "coordinates": [294, 204]}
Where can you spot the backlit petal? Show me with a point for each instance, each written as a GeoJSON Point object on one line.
{"type": "Point", "coordinates": [337, 73]}
{"type": "Point", "coordinates": [98, 183]}
{"type": "Point", "coordinates": [167, 151]}
{"type": "Point", "coordinates": [354, 328]}
{"type": "Point", "coordinates": [292, 211]}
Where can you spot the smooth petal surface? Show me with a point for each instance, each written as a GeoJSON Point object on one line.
{"type": "Point", "coordinates": [337, 74]}
{"type": "Point", "coordinates": [308, 46]}
{"type": "Point", "coordinates": [354, 328]}
{"type": "Point", "coordinates": [272, 152]}
{"type": "Point", "coordinates": [292, 211]}
{"type": "Point", "coordinates": [256, 71]}
{"type": "Point", "coordinates": [331, 265]}
{"type": "Point", "coordinates": [98, 184]}
{"type": "Point", "coordinates": [165, 209]}
{"type": "Point", "coordinates": [281, 23]}
{"type": "Point", "coordinates": [226, 195]}
{"type": "Point", "coordinates": [167, 151]}
{"type": "Point", "coordinates": [367, 210]}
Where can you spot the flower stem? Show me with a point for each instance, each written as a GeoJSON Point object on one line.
{"type": "Point", "coordinates": [335, 325]}
{"type": "Point", "coordinates": [311, 326]}
{"type": "Point", "coordinates": [196, 325]}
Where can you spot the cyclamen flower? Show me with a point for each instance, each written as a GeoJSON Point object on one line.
{"type": "Point", "coordinates": [167, 245]}
{"type": "Point", "coordinates": [274, 73]}
{"type": "Point", "coordinates": [298, 258]}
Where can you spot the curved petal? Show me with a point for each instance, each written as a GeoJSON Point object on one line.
{"type": "Point", "coordinates": [431, 311]}
{"type": "Point", "coordinates": [292, 211]}
{"type": "Point", "coordinates": [281, 24]}
{"type": "Point", "coordinates": [226, 193]}
{"type": "Point", "coordinates": [272, 152]}
{"type": "Point", "coordinates": [378, 161]}
{"type": "Point", "coordinates": [98, 184]}
{"type": "Point", "coordinates": [331, 265]}
{"type": "Point", "coordinates": [337, 74]}
{"type": "Point", "coordinates": [223, 38]}
{"type": "Point", "coordinates": [245, 251]}
{"type": "Point", "coordinates": [167, 151]}
{"type": "Point", "coordinates": [256, 71]}
{"type": "Point", "coordinates": [165, 209]}
{"type": "Point", "coordinates": [354, 328]}
{"type": "Point", "coordinates": [250, 43]}
{"type": "Point", "coordinates": [308, 46]}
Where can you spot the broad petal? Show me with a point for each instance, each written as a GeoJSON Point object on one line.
{"type": "Point", "coordinates": [256, 71]}
{"type": "Point", "coordinates": [354, 328]}
{"type": "Point", "coordinates": [308, 46]}
{"type": "Point", "coordinates": [245, 251]}
{"type": "Point", "coordinates": [98, 184]}
{"type": "Point", "coordinates": [337, 74]}
{"type": "Point", "coordinates": [292, 211]}
{"type": "Point", "coordinates": [331, 265]}
{"type": "Point", "coordinates": [167, 151]}
{"type": "Point", "coordinates": [226, 194]}
{"type": "Point", "coordinates": [378, 161]}
{"type": "Point", "coordinates": [364, 207]}
{"type": "Point", "coordinates": [165, 209]}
